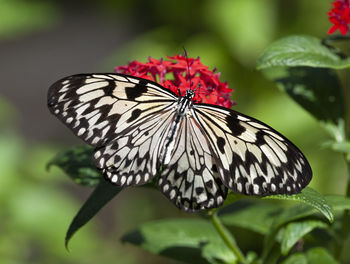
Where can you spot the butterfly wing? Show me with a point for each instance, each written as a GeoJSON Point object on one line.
{"type": "Point", "coordinates": [119, 115]}
{"type": "Point", "coordinates": [189, 177]}
{"type": "Point", "coordinates": [252, 158]}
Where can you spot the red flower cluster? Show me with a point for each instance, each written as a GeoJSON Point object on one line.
{"type": "Point", "coordinates": [340, 16]}
{"type": "Point", "coordinates": [181, 73]}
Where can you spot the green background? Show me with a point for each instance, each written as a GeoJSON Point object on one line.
{"type": "Point", "coordinates": [42, 41]}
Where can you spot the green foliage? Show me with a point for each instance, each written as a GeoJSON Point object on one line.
{"type": "Point", "coordinates": [251, 214]}
{"type": "Point", "coordinates": [36, 210]}
{"type": "Point", "coordinates": [295, 51]}
{"type": "Point", "coordinates": [338, 202]}
{"type": "Point", "coordinates": [103, 193]}
{"type": "Point", "coordinates": [309, 197]}
{"type": "Point", "coordinates": [295, 231]}
{"type": "Point", "coordinates": [317, 90]}
{"type": "Point", "coordinates": [77, 163]}
{"type": "Point", "coordinates": [188, 240]}
{"type": "Point", "coordinates": [312, 256]}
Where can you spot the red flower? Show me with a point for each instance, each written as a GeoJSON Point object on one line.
{"type": "Point", "coordinates": [181, 73]}
{"type": "Point", "coordinates": [340, 16]}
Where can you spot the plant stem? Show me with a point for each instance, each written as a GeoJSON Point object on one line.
{"type": "Point", "coordinates": [347, 160]}
{"type": "Point", "coordinates": [227, 237]}
{"type": "Point", "coordinates": [345, 229]}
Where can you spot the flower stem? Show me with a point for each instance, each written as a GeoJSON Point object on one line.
{"type": "Point", "coordinates": [345, 229]}
{"type": "Point", "coordinates": [227, 237]}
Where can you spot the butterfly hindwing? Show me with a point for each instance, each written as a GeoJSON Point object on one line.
{"type": "Point", "coordinates": [133, 158]}
{"type": "Point", "coordinates": [252, 158]}
{"type": "Point", "coordinates": [189, 177]}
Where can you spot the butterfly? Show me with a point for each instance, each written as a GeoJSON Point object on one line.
{"type": "Point", "coordinates": [196, 152]}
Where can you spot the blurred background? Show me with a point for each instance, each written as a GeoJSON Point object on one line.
{"type": "Point", "coordinates": [42, 41]}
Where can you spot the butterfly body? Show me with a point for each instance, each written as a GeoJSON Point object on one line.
{"type": "Point", "coordinates": [141, 130]}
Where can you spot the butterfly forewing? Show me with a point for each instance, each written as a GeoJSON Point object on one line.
{"type": "Point", "coordinates": [123, 116]}
{"type": "Point", "coordinates": [253, 158]}
{"type": "Point", "coordinates": [99, 107]}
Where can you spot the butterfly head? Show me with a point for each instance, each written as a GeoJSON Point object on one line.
{"type": "Point", "coordinates": [185, 103]}
{"type": "Point", "coordinates": [189, 94]}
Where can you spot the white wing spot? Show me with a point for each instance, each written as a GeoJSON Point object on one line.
{"type": "Point", "coordinates": [172, 194]}
{"type": "Point", "coordinates": [166, 187]}
{"type": "Point", "coordinates": [81, 131]}
{"type": "Point", "coordinates": [129, 180]}
{"type": "Point", "coordinates": [273, 187]}
{"type": "Point", "coordinates": [137, 179]}
{"type": "Point", "coordinates": [122, 180]}
{"type": "Point", "coordinates": [114, 178]}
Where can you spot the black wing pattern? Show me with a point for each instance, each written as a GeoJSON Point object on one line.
{"type": "Point", "coordinates": [124, 117]}
{"type": "Point", "coordinates": [252, 158]}
{"type": "Point", "coordinates": [189, 175]}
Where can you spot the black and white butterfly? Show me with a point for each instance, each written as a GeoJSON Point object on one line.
{"type": "Point", "coordinates": [198, 151]}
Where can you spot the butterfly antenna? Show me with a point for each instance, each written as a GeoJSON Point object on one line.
{"type": "Point", "coordinates": [188, 66]}
{"type": "Point", "coordinates": [198, 85]}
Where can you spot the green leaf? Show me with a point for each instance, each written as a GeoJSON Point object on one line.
{"type": "Point", "coordinates": [338, 203]}
{"type": "Point", "coordinates": [318, 91]}
{"type": "Point", "coordinates": [286, 215]}
{"type": "Point", "coordinates": [251, 214]}
{"type": "Point", "coordinates": [296, 230]}
{"type": "Point", "coordinates": [77, 163]}
{"type": "Point", "coordinates": [301, 51]}
{"type": "Point", "coordinates": [298, 258]}
{"type": "Point", "coordinates": [316, 255]}
{"type": "Point", "coordinates": [187, 240]}
{"type": "Point", "coordinates": [342, 147]}
{"type": "Point", "coordinates": [231, 198]}
{"type": "Point", "coordinates": [102, 194]}
{"type": "Point", "coordinates": [312, 201]}
{"type": "Point", "coordinates": [310, 197]}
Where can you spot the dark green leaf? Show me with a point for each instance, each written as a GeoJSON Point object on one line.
{"type": "Point", "coordinates": [297, 258]}
{"type": "Point", "coordinates": [187, 240]}
{"type": "Point", "coordinates": [310, 197]}
{"type": "Point", "coordinates": [287, 215]}
{"type": "Point", "coordinates": [232, 197]}
{"type": "Point", "coordinates": [77, 163]}
{"type": "Point", "coordinates": [102, 194]}
{"type": "Point", "coordinates": [251, 214]}
{"type": "Point", "coordinates": [301, 51]}
{"type": "Point", "coordinates": [319, 255]}
{"type": "Point", "coordinates": [296, 230]}
{"type": "Point", "coordinates": [316, 90]}
{"type": "Point", "coordinates": [312, 201]}
{"type": "Point", "coordinates": [313, 256]}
